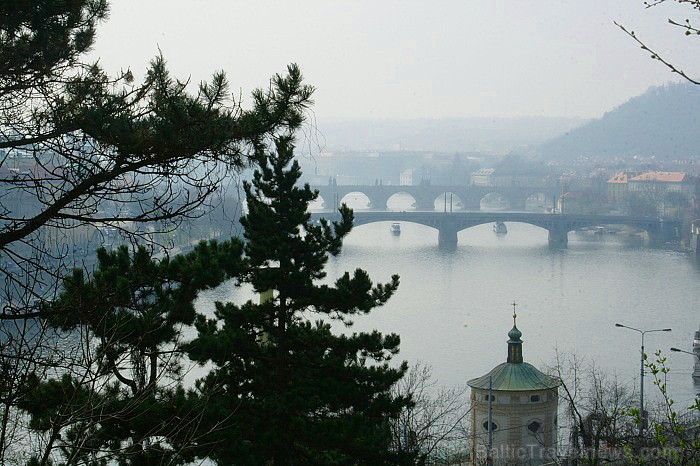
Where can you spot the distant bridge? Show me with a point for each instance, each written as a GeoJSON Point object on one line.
{"type": "Point", "coordinates": [449, 224]}
{"type": "Point", "coordinates": [426, 195]}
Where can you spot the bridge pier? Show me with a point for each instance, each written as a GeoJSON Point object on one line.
{"type": "Point", "coordinates": [378, 201]}
{"type": "Point", "coordinates": [558, 237]}
{"type": "Point", "coordinates": [473, 205]}
{"type": "Point", "coordinates": [665, 232]}
{"type": "Point", "coordinates": [425, 203]}
{"type": "Point", "coordinates": [517, 204]}
{"type": "Point", "coordinates": [447, 236]}
{"type": "Point", "coordinates": [655, 237]}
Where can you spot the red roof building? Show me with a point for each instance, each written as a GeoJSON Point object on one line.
{"type": "Point", "coordinates": [663, 182]}
{"type": "Point", "coordinates": [617, 188]}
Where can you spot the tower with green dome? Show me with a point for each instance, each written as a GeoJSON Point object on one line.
{"type": "Point", "coordinates": [523, 409]}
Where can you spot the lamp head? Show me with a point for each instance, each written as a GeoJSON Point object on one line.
{"type": "Point", "coordinates": [619, 325]}
{"type": "Point", "coordinates": [676, 350]}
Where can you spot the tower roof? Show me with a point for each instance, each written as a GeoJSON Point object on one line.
{"type": "Point", "coordinates": [515, 335]}
{"type": "Point", "coordinates": [514, 374]}
{"type": "Point", "coordinates": [515, 377]}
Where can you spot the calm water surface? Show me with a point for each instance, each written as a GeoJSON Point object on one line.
{"type": "Point", "coordinates": [453, 309]}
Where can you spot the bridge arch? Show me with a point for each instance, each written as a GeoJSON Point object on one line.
{"type": "Point", "coordinates": [494, 201]}
{"type": "Point", "coordinates": [425, 226]}
{"type": "Point", "coordinates": [540, 201]}
{"type": "Point", "coordinates": [475, 231]}
{"type": "Point", "coordinates": [448, 202]}
{"type": "Point", "coordinates": [320, 204]}
{"type": "Point", "coordinates": [356, 200]}
{"type": "Point", "coordinates": [400, 201]}
{"type": "Point", "coordinates": [507, 222]}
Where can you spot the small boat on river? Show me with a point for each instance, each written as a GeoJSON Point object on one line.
{"type": "Point", "coordinates": [500, 228]}
{"type": "Point", "coordinates": [395, 229]}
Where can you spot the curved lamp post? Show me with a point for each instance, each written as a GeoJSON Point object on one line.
{"type": "Point", "coordinates": [641, 371]}
{"type": "Point", "coordinates": [696, 372]}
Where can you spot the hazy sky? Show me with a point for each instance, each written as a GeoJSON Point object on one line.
{"type": "Point", "coordinates": [410, 59]}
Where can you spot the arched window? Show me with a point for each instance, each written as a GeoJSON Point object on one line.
{"type": "Point", "coordinates": [534, 399]}
{"type": "Point", "coordinates": [485, 425]}
{"type": "Point", "coordinates": [534, 427]}
{"type": "Point", "coordinates": [486, 397]}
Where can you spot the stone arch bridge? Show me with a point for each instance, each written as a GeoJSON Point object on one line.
{"type": "Point", "coordinates": [558, 225]}
{"type": "Point", "coordinates": [425, 195]}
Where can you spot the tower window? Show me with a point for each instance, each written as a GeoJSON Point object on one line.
{"type": "Point", "coordinates": [534, 398]}
{"type": "Point", "coordinates": [485, 425]}
{"type": "Point", "coordinates": [534, 427]}
{"type": "Point", "coordinates": [486, 398]}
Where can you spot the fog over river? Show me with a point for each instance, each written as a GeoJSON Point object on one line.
{"type": "Point", "coordinates": [453, 309]}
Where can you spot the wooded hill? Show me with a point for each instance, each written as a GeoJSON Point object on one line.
{"type": "Point", "coordinates": [662, 122]}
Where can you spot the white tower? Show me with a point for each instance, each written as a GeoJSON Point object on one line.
{"type": "Point", "coordinates": [522, 409]}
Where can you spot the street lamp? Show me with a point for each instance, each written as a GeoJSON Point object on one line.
{"type": "Point", "coordinates": [641, 371]}
{"type": "Point", "coordinates": [696, 371]}
{"type": "Point", "coordinates": [677, 350]}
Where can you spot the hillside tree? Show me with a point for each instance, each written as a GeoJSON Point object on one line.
{"type": "Point", "coordinates": [289, 389]}
{"type": "Point", "coordinates": [595, 412]}
{"type": "Point", "coordinates": [433, 429]}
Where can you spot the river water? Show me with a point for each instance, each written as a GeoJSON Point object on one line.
{"type": "Point", "coordinates": [453, 308]}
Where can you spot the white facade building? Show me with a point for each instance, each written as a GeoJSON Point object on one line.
{"type": "Point", "coordinates": [406, 178]}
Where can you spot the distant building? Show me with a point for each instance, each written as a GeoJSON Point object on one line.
{"type": "Point", "coordinates": [482, 177]}
{"type": "Point", "coordinates": [618, 188]}
{"type": "Point", "coordinates": [498, 177]}
{"type": "Point", "coordinates": [406, 178]}
{"type": "Point", "coordinates": [531, 178]}
{"type": "Point", "coordinates": [523, 407]}
{"type": "Point", "coordinates": [662, 183]}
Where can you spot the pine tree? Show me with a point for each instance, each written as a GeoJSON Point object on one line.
{"type": "Point", "coordinates": [290, 391]}
{"type": "Point", "coordinates": [117, 394]}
